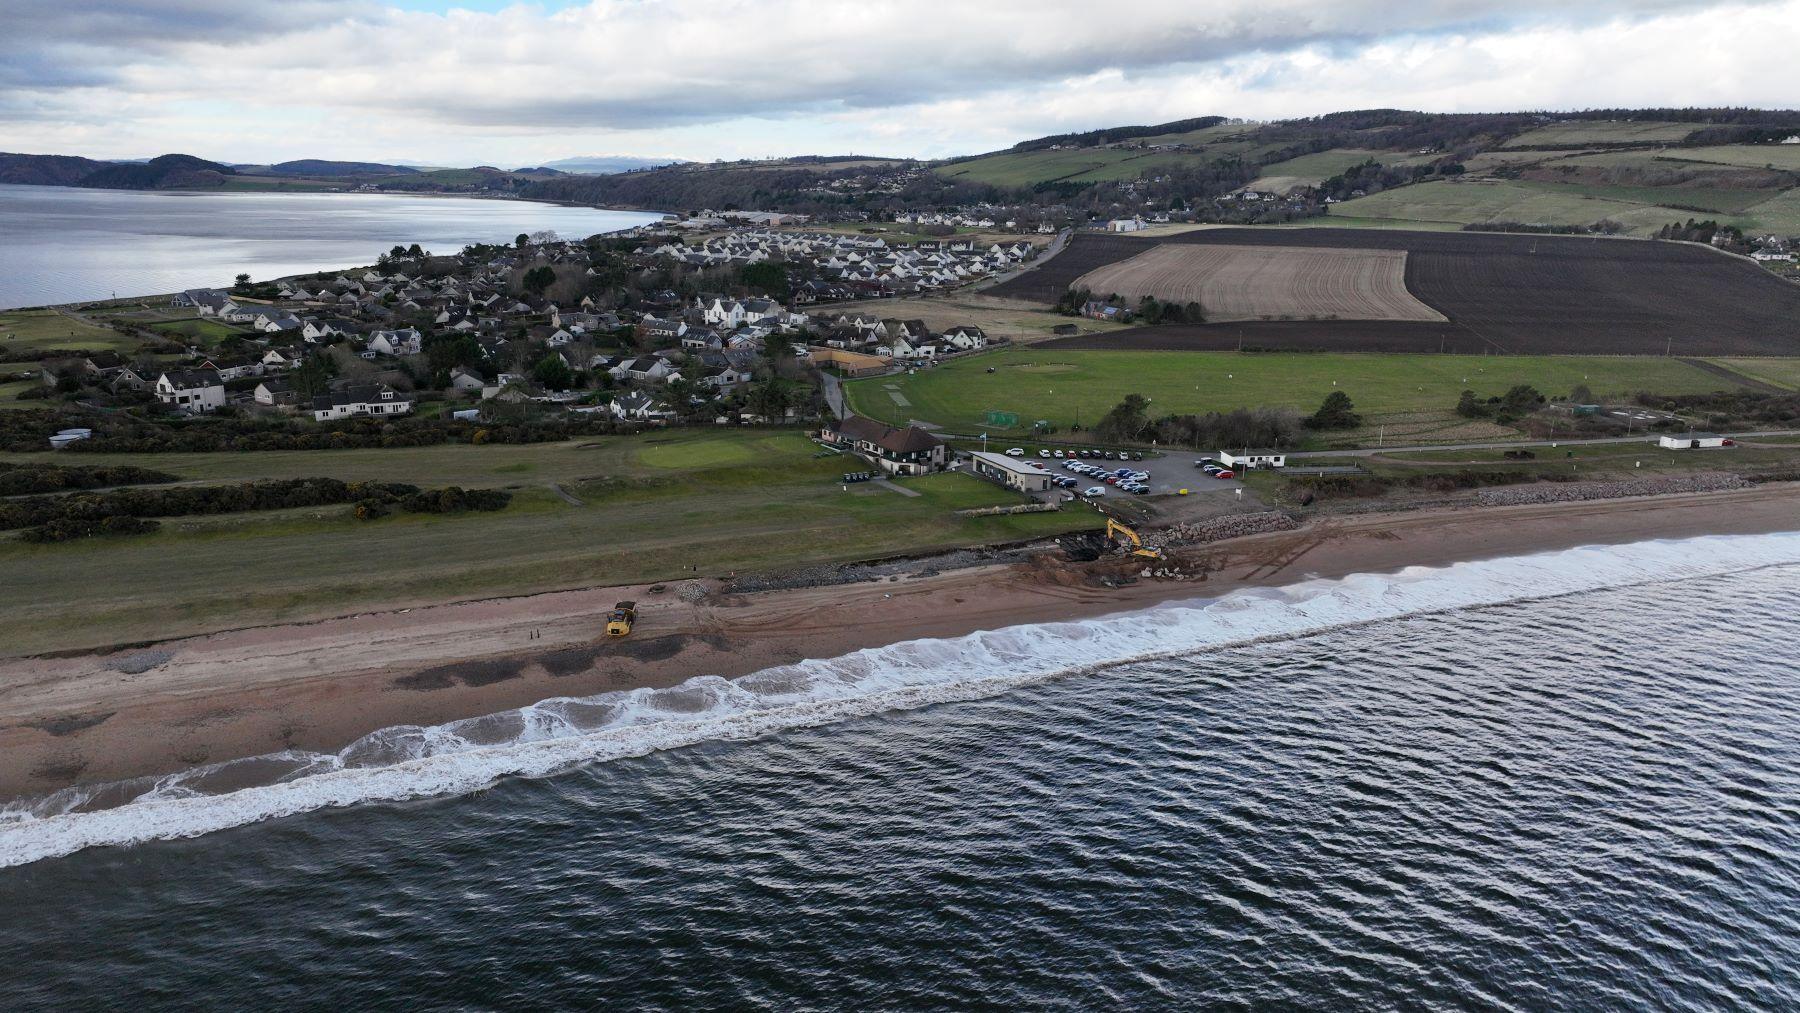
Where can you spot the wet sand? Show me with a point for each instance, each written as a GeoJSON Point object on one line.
{"type": "Point", "coordinates": [321, 685]}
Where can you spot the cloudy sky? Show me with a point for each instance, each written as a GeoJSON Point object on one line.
{"type": "Point", "coordinates": [460, 82]}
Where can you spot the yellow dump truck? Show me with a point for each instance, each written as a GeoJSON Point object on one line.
{"type": "Point", "coordinates": [618, 622]}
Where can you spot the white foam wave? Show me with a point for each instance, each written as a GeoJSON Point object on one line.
{"type": "Point", "coordinates": [410, 762]}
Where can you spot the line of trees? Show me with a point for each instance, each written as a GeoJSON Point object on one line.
{"type": "Point", "coordinates": [80, 515]}
{"type": "Point", "coordinates": [27, 479]}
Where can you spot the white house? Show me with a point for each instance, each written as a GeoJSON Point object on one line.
{"type": "Point", "coordinates": [1125, 225]}
{"type": "Point", "coordinates": [191, 390]}
{"type": "Point", "coordinates": [372, 399]}
{"type": "Point", "coordinates": [401, 342]}
{"type": "Point", "coordinates": [641, 407]}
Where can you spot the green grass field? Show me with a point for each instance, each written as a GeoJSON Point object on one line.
{"type": "Point", "coordinates": [1603, 132]}
{"type": "Point", "coordinates": [1313, 169]}
{"type": "Point", "coordinates": [9, 395]}
{"type": "Point", "coordinates": [26, 334]}
{"type": "Point", "coordinates": [1067, 387]}
{"type": "Point", "coordinates": [1780, 372]}
{"type": "Point", "coordinates": [1466, 202]}
{"type": "Point", "coordinates": [206, 332]}
{"type": "Point", "coordinates": [651, 506]}
{"type": "Point", "coordinates": [1749, 156]}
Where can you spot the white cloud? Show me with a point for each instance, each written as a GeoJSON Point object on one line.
{"type": "Point", "coordinates": [347, 78]}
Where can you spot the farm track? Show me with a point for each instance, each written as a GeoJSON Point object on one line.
{"type": "Point", "coordinates": [1502, 293]}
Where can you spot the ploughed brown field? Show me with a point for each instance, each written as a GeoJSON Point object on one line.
{"type": "Point", "coordinates": [1266, 282]}
{"type": "Point", "coordinates": [1500, 293]}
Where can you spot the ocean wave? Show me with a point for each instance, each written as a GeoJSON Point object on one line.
{"type": "Point", "coordinates": [409, 762]}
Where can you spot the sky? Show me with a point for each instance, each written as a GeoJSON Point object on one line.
{"type": "Point", "coordinates": [466, 82]}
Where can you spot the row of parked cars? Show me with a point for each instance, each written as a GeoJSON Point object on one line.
{"type": "Point", "coordinates": [1128, 479]}
{"type": "Point", "coordinates": [1106, 455]}
{"type": "Point", "coordinates": [1214, 469]}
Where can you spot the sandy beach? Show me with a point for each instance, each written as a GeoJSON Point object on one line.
{"type": "Point", "coordinates": [318, 686]}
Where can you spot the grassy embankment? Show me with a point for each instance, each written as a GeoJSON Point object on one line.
{"type": "Point", "coordinates": [1412, 395]}
{"type": "Point", "coordinates": [650, 507]}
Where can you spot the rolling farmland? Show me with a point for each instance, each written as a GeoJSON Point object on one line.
{"type": "Point", "coordinates": [1500, 293]}
{"type": "Point", "coordinates": [1267, 282]}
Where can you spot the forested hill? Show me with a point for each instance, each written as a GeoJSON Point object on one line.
{"type": "Point", "coordinates": [164, 172]}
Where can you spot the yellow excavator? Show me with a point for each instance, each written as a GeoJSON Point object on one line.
{"type": "Point", "coordinates": [1129, 540]}
{"type": "Point", "coordinates": [618, 622]}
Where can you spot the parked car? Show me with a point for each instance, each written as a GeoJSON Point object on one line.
{"type": "Point", "coordinates": [1043, 453]}
{"type": "Point", "coordinates": [1016, 452]}
{"type": "Point", "coordinates": [1098, 490]}
{"type": "Point", "coordinates": [1056, 453]}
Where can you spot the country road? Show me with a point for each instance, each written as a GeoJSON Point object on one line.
{"type": "Point", "coordinates": [1511, 445]}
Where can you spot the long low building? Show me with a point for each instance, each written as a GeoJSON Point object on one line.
{"type": "Point", "coordinates": [1246, 459]}
{"type": "Point", "coordinates": [1013, 473]}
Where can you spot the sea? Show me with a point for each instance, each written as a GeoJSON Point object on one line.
{"type": "Point", "coordinates": [68, 244]}
{"type": "Point", "coordinates": [1565, 781]}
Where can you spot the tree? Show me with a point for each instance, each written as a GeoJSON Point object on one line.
{"type": "Point", "coordinates": [1127, 418]}
{"type": "Point", "coordinates": [1581, 394]}
{"type": "Point", "coordinates": [539, 278]}
{"type": "Point", "coordinates": [243, 281]}
{"type": "Point", "coordinates": [1338, 412]}
{"type": "Point", "coordinates": [1521, 399]}
{"type": "Point", "coordinates": [414, 251]}
{"type": "Point", "coordinates": [313, 376]}
{"type": "Point", "coordinates": [767, 277]}
{"type": "Point", "coordinates": [552, 372]}
{"type": "Point", "coordinates": [1470, 407]}
{"type": "Point", "coordinates": [522, 240]}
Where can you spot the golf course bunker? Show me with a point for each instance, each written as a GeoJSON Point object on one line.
{"type": "Point", "coordinates": [1266, 282]}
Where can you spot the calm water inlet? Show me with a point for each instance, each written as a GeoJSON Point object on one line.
{"type": "Point", "coordinates": [1577, 800]}
{"type": "Point", "coordinates": [66, 244]}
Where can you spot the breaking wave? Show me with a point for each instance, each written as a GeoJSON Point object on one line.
{"type": "Point", "coordinates": [409, 762]}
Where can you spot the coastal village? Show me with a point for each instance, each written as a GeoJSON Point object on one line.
{"type": "Point", "coordinates": [542, 322]}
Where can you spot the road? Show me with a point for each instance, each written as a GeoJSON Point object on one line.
{"type": "Point", "coordinates": [1055, 247]}
{"type": "Point", "coordinates": [1309, 455]}
{"type": "Point", "coordinates": [834, 395]}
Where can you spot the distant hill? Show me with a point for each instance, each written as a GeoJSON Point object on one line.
{"type": "Point", "coordinates": [164, 172]}
{"type": "Point", "coordinates": [45, 170]}
{"type": "Point", "coordinates": [600, 165]}
{"type": "Point", "coordinates": [325, 168]}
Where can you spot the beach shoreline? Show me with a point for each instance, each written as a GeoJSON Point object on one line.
{"type": "Point", "coordinates": [166, 707]}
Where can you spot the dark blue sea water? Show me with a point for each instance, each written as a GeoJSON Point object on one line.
{"type": "Point", "coordinates": [1580, 799]}
{"type": "Point", "coordinates": [66, 244]}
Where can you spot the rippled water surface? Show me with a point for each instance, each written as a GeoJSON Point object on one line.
{"type": "Point", "coordinates": [65, 244]}
{"type": "Point", "coordinates": [1582, 802]}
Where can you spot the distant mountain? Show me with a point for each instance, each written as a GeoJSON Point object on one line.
{"type": "Point", "coordinates": [601, 165]}
{"type": "Point", "coordinates": [325, 167]}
